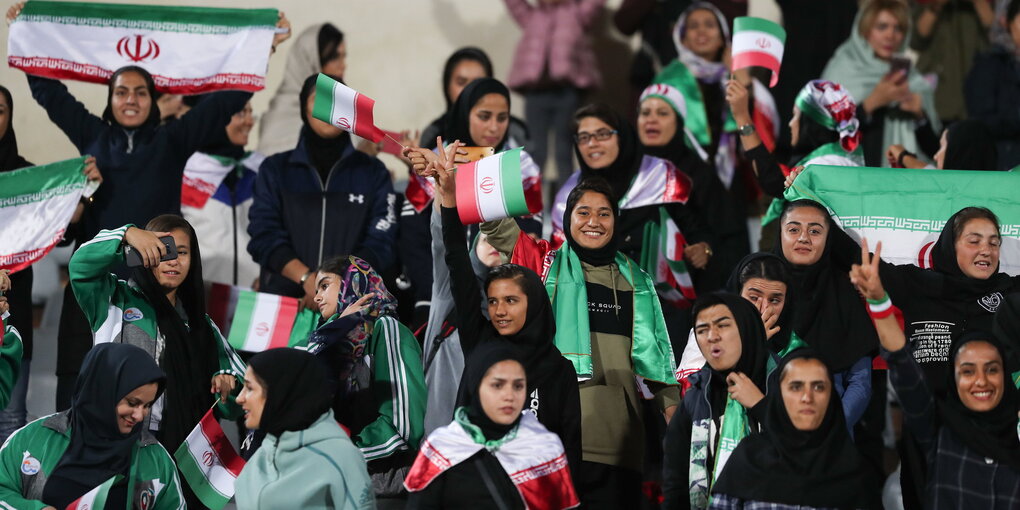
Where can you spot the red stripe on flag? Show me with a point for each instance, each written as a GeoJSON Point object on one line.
{"type": "Point", "coordinates": [427, 466]}
{"type": "Point", "coordinates": [364, 126]}
{"type": "Point", "coordinates": [467, 197]}
{"type": "Point", "coordinates": [678, 185]}
{"type": "Point", "coordinates": [547, 486]}
{"type": "Point", "coordinates": [284, 323]}
{"type": "Point", "coordinates": [760, 59]}
{"type": "Point", "coordinates": [417, 193]}
{"type": "Point", "coordinates": [219, 299]}
{"type": "Point", "coordinates": [15, 262]}
{"type": "Point", "coordinates": [221, 446]}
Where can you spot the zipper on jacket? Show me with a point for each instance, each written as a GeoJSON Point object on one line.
{"type": "Point", "coordinates": [131, 140]}
{"type": "Point", "coordinates": [322, 228]}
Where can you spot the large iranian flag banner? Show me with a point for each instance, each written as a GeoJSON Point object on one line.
{"type": "Point", "coordinates": [36, 204]}
{"type": "Point", "coordinates": [188, 50]}
{"type": "Point", "coordinates": [906, 209]}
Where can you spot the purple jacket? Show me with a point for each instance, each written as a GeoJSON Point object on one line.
{"type": "Point", "coordinates": [554, 40]}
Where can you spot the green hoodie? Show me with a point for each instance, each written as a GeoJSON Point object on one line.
{"type": "Point", "coordinates": [30, 455]}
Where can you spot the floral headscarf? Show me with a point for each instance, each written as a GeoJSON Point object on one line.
{"type": "Point", "coordinates": [830, 105]}
{"type": "Point", "coordinates": [359, 280]}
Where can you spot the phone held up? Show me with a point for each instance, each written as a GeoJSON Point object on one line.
{"type": "Point", "coordinates": [133, 259]}
{"type": "Point", "coordinates": [476, 153]}
{"type": "Point", "coordinates": [899, 62]}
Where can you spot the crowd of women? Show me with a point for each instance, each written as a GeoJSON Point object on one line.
{"type": "Point", "coordinates": [641, 354]}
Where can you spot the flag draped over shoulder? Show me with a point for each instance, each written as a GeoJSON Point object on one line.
{"type": "Point", "coordinates": [266, 321]}
{"type": "Point", "coordinates": [209, 463]}
{"type": "Point", "coordinates": [906, 209]}
{"type": "Point", "coordinates": [758, 42]}
{"type": "Point", "coordinates": [188, 50]}
{"type": "Point", "coordinates": [343, 107]}
{"type": "Point", "coordinates": [36, 204]}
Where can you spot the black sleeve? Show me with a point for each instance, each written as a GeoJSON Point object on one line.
{"type": "Point", "coordinates": [463, 284]}
{"type": "Point", "coordinates": [80, 126]}
{"type": "Point", "coordinates": [758, 411]}
{"type": "Point", "coordinates": [430, 498]}
{"type": "Point", "coordinates": [206, 123]}
{"type": "Point", "coordinates": [770, 175]}
{"type": "Point", "coordinates": [676, 450]}
{"type": "Point", "coordinates": [927, 139]}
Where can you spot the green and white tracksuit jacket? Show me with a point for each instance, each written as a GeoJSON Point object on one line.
{"type": "Point", "coordinates": [10, 359]}
{"type": "Point", "coordinates": [30, 455]}
{"type": "Point", "coordinates": [118, 311]}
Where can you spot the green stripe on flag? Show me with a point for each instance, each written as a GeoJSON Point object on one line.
{"type": "Point", "coordinates": [322, 109]}
{"type": "Point", "coordinates": [304, 324]}
{"type": "Point", "coordinates": [513, 187]}
{"type": "Point", "coordinates": [195, 476]}
{"type": "Point", "coordinates": [167, 18]}
{"type": "Point", "coordinates": [37, 183]}
{"type": "Point", "coordinates": [242, 319]}
{"type": "Point", "coordinates": [104, 491]}
{"type": "Point", "coordinates": [744, 23]}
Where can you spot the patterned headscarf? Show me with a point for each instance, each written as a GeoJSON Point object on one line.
{"type": "Point", "coordinates": [704, 70]}
{"type": "Point", "coordinates": [830, 105]}
{"type": "Point", "coordinates": [359, 280]}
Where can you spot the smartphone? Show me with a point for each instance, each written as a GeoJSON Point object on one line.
{"type": "Point", "coordinates": [476, 153]}
{"type": "Point", "coordinates": [899, 62]}
{"type": "Point", "coordinates": [133, 259]}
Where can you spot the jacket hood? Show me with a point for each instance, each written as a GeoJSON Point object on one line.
{"type": "Point", "coordinates": [323, 429]}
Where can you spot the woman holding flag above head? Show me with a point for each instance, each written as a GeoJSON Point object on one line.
{"type": "Point", "coordinates": [161, 309]}
{"type": "Point", "coordinates": [609, 325]}
{"type": "Point", "coordinates": [99, 450]}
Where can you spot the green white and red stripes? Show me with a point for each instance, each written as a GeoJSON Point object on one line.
{"type": "Point", "coordinates": [758, 42]}
{"type": "Point", "coordinates": [188, 50]}
{"type": "Point", "coordinates": [491, 188]}
{"type": "Point", "coordinates": [343, 107]}
{"type": "Point", "coordinates": [36, 205]}
{"type": "Point", "coordinates": [94, 499]}
{"type": "Point", "coordinates": [209, 463]}
{"type": "Point", "coordinates": [266, 321]}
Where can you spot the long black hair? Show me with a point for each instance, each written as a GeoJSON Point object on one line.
{"type": "Point", "coordinates": [330, 38]}
{"type": "Point", "coordinates": [150, 84]}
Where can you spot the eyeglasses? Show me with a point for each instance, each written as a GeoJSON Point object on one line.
{"type": "Point", "coordinates": [601, 135]}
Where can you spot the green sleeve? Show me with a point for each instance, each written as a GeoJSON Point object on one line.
{"type": "Point", "coordinates": [502, 235]}
{"type": "Point", "coordinates": [398, 385]}
{"type": "Point", "coordinates": [10, 363]}
{"type": "Point", "coordinates": [10, 471]}
{"type": "Point", "coordinates": [170, 498]}
{"type": "Point", "coordinates": [230, 363]}
{"type": "Point", "coordinates": [89, 269]}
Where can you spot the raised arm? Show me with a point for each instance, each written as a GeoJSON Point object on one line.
{"type": "Point", "coordinates": [80, 126]}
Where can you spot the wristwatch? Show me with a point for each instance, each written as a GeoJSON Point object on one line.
{"type": "Point", "coordinates": [747, 130]}
{"type": "Point", "coordinates": [305, 276]}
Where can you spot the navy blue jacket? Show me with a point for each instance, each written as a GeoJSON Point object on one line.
{"type": "Point", "coordinates": [296, 215]}
{"type": "Point", "coordinates": [142, 168]}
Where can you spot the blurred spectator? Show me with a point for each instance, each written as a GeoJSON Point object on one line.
{"type": "Point", "coordinates": [993, 89]}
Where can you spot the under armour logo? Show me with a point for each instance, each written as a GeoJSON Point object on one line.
{"type": "Point", "coordinates": [356, 198]}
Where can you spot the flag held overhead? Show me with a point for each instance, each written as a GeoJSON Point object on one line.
{"type": "Point", "coordinates": [491, 188]}
{"type": "Point", "coordinates": [758, 42]}
{"type": "Point", "coordinates": [345, 108]}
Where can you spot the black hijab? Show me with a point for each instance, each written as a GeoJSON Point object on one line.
{"type": "Point", "coordinates": [818, 468]}
{"type": "Point", "coordinates": [458, 123]}
{"type": "Point", "coordinates": [539, 354]}
{"type": "Point", "coordinates": [467, 53]}
{"type": "Point", "coordinates": [153, 119]}
{"type": "Point", "coordinates": [598, 256]}
{"type": "Point", "coordinates": [991, 434]}
{"type": "Point", "coordinates": [323, 153]}
{"type": "Point", "coordinates": [189, 358]}
{"type": "Point", "coordinates": [294, 382]}
{"type": "Point", "coordinates": [10, 159]}
{"type": "Point", "coordinates": [758, 265]}
{"type": "Point", "coordinates": [482, 358]}
{"type": "Point", "coordinates": [754, 353]}
{"type": "Point", "coordinates": [957, 285]}
{"type": "Point", "coordinates": [97, 449]}
{"type": "Point", "coordinates": [329, 39]}
{"type": "Point", "coordinates": [970, 146]}
{"type": "Point", "coordinates": [827, 311]}
{"type": "Point", "coordinates": [620, 172]}
{"type": "Point", "coordinates": [676, 149]}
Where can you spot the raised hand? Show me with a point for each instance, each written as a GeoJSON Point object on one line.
{"type": "Point", "coordinates": [769, 318]}
{"type": "Point", "coordinates": [865, 275]}
{"type": "Point", "coordinates": [797, 170]}
{"type": "Point", "coordinates": [148, 245]}
{"type": "Point", "coordinates": [14, 11]}
{"type": "Point", "coordinates": [444, 168]}
{"type": "Point", "coordinates": [743, 389]}
{"type": "Point", "coordinates": [738, 98]}
{"type": "Point", "coordinates": [284, 24]}
{"type": "Point", "coordinates": [358, 305]}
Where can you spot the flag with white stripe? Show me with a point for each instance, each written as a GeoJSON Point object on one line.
{"type": "Point", "coordinates": [94, 499]}
{"type": "Point", "coordinates": [492, 188]}
{"type": "Point", "coordinates": [758, 42]}
{"type": "Point", "coordinates": [343, 107]}
{"type": "Point", "coordinates": [264, 321]}
{"type": "Point", "coordinates": [209, 463]}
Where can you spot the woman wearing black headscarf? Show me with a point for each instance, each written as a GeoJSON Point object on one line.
{"type": "Point", "coordinates": [58, 458]}
{"type": "Point", "coordinates": [161, 309]}
{"type": "Point", "coordinates": [493, 454]}
{"type": "Point", "coordinates": [803, 457]}
{"type": "Point", "coordinates": [969, 433]}
{"type": "Point", "coordinates": [732, 383]}
{"type": "Point", "coordinates": [519, 312]}
{"type": "Point", "coordinates": [827, 312]}
{"type": "Point", "coordinates": [299, 192]}
{"type": "Point", "coordinates": [965, 145]}
{"type": "Point", "coordinates": [306, 459]}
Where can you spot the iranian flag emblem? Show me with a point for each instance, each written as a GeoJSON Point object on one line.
{"type": "Point", "coordinates": [209, 463]}
{"type": "Point", "coordinates": [758, 42]}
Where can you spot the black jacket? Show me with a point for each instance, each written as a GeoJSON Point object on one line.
{"type": "Point", "coordinates": [462, 487]}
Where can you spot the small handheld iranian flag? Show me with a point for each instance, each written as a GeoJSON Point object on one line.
{"type": "Point", "coordinates": [345, 108]}
{"type": "Point", "coordinates": [95, 499]}
{"type": "Point", "coordinates": [758, 42]}
{"type": "Point", "coordinates": [209, 463]}
{"type": "Point", "coordinates": [491, 188]}
{"type": "Point", "coordinates": [662, 257]}
{"type": "Point", "coordinates": [221, 303]}
{"type": "Point", "coordinates": [188, 50]}
{"type": "Point", "coordinates": [266, 321]}
{"type": "Point", "coordinates": [36, 205]}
